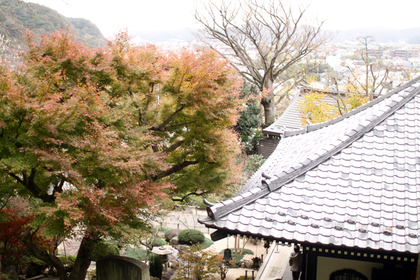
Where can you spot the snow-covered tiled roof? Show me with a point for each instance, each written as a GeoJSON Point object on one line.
{"type": "Point", "coordinates": [353, 181]}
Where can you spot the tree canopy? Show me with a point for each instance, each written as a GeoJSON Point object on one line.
{"type": "Point", "coordinates": [94, 136]}
{"type": "Point", "coordinates": [263, 39]}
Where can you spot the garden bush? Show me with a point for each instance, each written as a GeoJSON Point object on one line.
{"type": "Point", "coordinates": [156, 266]}
{"type": "Point", "coordinates": [191, 236]}
{"type": "Point", "coordinates": [157, 242]}
{"type": "Point", "coordinates": [206, 243]}
{"type": "Point", "coordinates": [103, 249]}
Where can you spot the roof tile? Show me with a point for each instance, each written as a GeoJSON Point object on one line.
{"type": "Point", "coordinates": [365, 191]}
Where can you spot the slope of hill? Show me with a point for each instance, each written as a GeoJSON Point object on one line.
{"type": "Point", "coordinates": [381, 35]}
{"type": "Point", "coordinates": [17, 16]}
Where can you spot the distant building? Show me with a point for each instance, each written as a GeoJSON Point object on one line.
{"type": "Point", "coordinates": [378, 53]}
{"type": "Point", "coordinates": [405, 54]}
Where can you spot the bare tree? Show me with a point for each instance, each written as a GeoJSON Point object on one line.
{"type": "Point", "coordinates": [262, 39]}
{"type": "Point", "coordinates": [375, 80]}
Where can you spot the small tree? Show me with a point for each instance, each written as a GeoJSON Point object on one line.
{"type": "Point", "coordinates": [96, 136]}
{"type": "Point", "coordinates": [373, 81]}
{"type": "Point", "coordinates": [250, 121]}
{"type": "Point", "coordinates": [313, 109]}
{"type": "Point", "coordinates": [12, 249]}
{"type": "Point", "coordinates": [238, 248]}
{"type": "Point", "coordinates": [197, 264]}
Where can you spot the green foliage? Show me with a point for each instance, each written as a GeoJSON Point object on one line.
{"type": "Point", "coordinates": [158, 242]}
{"type": "Point", "coordinates": [250, 121]}
{"type": "Point", "coordinates": [66, 260]}
{"type": "Point", "coordinates": [156, 266]}
{"type": "Point", "coordinates": [17, 16]}
{"type": "Point", "coordinates": [206, 243]}
{"type": "Point", "coordinates": [191, 236]}
{"type": "Point", "coordinates": [252, 164]}
{"type": "Point", "coordinates": [163, 229]}
{"type": "Point", "coordinates": [249, 164]}
{"type": "Point", "coordinates": [195, 263]}
{"type": "Point", "coordinates": [198, 201]}
{"type": "Point", "coordinates": [100, 134]}
{"type": "Point", "coordinates": [138, 254]}
{"type": "Point", "coordinates": [103, 249]}
{"type": "Point", "coordinates": [254, 141]}
{"type": "Point", "coordinates": [251, 118]}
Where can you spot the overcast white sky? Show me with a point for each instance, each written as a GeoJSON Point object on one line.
{"type": "Point", "coordinates": [112, 16]}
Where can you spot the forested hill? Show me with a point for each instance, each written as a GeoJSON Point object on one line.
{"type": "Point", "coordinates": [381, 35]}
{"type": "Point", "coordinates": [17, 16]}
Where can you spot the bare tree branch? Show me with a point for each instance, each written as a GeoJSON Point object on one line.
{"type": "Point", "coordinates": [261, 39]}
{"type": "Point", "coordinates": [196, 193]}
{"type": "Point", "coordinates": [373, 84]}
{"type": "Point", "coordinates": [174, 169]}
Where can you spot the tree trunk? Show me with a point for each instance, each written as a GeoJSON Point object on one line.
{"type": "Point", "coordinates": [236, 247]}
{"type": "Point", "coordinates": [245, 240]}
{"type": "Point", "coordinates": [42, 254]}
{"type": "Point", "coordinates": [269, 109]}
{"type": "Point", "coordinates": [81, 264]}
{"type": "Point", "coordinates": [269, 103]}
{"type": "Point", "coordinates": [83, 259]}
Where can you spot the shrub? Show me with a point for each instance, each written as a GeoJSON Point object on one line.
{"type": "Point", "coordinates": [163, 229]}
{"type": "Point", "coordinates": [103, 249]}
{"type": "Point", "coordinates": [191, 236]}
{"type": "Point", "coordinates": [157, 242]}
{"type": "Point", "coordinates": [156, 266]}
{"type": "Point", "coordinates": [206, 243]}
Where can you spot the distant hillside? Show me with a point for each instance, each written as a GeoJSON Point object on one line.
{"type": "Point", "coordinates": [15, 17]}
{"type": "Point", "coordinates": [381, 35]}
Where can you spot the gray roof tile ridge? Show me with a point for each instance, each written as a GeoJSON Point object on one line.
{"type": "Point", "coordinates": [235, 203]}
{"type": "Point", "coordinates": [317, 126]}
{"type": "Point", "coordinates": [224, 208]}
{"type": "Point", "coordinates": [355, 134]}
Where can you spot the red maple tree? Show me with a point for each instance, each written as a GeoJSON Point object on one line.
{"type": "Point", "coordinates": [97, 135]}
